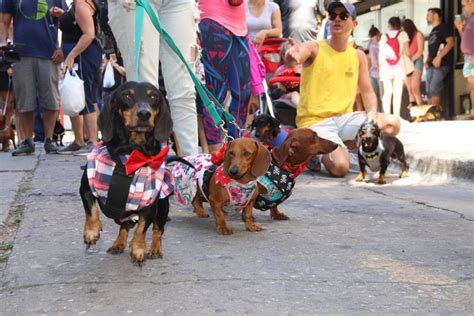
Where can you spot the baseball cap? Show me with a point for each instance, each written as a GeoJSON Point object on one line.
{"type": "Point", "coordinates": [350, 8]}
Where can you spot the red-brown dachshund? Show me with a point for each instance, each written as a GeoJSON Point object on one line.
{"type": "Point", "coordinates": [231, 185]}
{"type": "Point", "coordinates": [6, 134]}
{"type": "Point", "coordinates": [288, 161]}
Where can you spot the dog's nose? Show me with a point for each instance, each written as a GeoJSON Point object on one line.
{"type": "Point", "coordinates": [233, 172]}
{"type": "Point", "coordinates": [144, 115]}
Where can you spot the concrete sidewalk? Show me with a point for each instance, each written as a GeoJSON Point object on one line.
{"type": "Point", "coordinates": [444, 149]}
{"type": "Point", "coordinates": [441, 149]}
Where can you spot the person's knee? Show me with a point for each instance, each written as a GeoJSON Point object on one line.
{"type": "Point", "coordinates": [336, 163]}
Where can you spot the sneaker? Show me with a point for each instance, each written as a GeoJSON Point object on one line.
{"type": "Point", "coordinates": [24, 149]}
{"type": "Point", "coordinates": [69, 149]}
{"type": "Point", "coordinates": [314, 164]}
{"type": "Point", "coordinates": [85, 150]}
{"type": "Point", "coordinates": [50, 147]}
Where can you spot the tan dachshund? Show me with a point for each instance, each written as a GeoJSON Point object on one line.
{"type": "Point", "coordinates": [231, 185]}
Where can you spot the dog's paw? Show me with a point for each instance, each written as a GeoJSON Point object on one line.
{"type": "Point", "coordinates": [138, 255]}
{"type": "Point", "coordinates": [224, 230]}
{"type": "Point", "coordinates": [154, 254]}
{"type": "Point", "coordinates": [279, 216]}
{"type": "Point", "coordinates": [201, 213]}
{"type": "Point", "coordinates": [381, 181]}
{"type": "Point", "coordinates": [253, 227]}
{"type": "Point", "coordinates": [116, 249]}
{"type": "Point", "coordinates": [360, 177]}
{"type": "Point", "coordinates": [404, 174]}
{"type": "Point", "coordinates": [91, 236]}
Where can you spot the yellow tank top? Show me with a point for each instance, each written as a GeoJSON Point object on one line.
{"type": "Point", "coordinates": [328, 86]}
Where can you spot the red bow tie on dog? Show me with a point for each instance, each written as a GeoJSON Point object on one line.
{"type": "Point", "coordinates": [137, 160]}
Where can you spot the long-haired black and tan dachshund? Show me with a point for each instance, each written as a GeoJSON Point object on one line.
{"type": "Point", "coordinates": [136, 117]}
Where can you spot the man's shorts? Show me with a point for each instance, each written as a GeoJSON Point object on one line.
{"type": "Point", "coordinates": [435, 80]}
{"type": "Point", "coordinates": [35, 77]}
{"type": "Point", "coordinates": [340, 128]}
{"type": "Point", "coordinates": [468, 70]}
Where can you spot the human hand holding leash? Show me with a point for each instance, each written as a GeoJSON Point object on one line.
{"type": "Point", "coordinates": [56, 11]}
{"type": "Point", "coordinates": [293, 54]}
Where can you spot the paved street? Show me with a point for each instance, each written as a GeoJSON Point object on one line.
{"type": "Point", "coordinates": [349, 248]}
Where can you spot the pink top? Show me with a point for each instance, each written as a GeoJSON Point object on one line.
{"type": "Point", "coordinates": [414, 45]}
{"type": "Point", "coordinates": [232, 18]}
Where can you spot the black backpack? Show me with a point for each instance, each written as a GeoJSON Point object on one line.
{"type": "Point", "coordinates": [104, 34]}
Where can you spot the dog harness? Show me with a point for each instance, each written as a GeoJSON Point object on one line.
{"type": "Point", "coordinates": [373, 158]}
{"type": "Point", "coordinates": [110, 183]}
{"type": "Point", "coordinates": [188, 179]}
{"type": "Point", "coordinates": [279, 184]}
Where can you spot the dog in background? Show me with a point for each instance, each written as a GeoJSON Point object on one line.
{"type": "Point", "coordinates": [289, 160]}
{"type": "Point", "coordinates": [136, 121]}
{"type": "Point", "coordinates": [266, 129]}
{"type": "Point", "coordinates": [58, 133]}
{"type": "Point", "coordinates": [230, 184]}
{"type": "Point", "coordinates": [375, 151]}
{"type": "Point", "coordinates": [6, 134]}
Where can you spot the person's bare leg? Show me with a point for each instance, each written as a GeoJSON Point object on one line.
{"type": "Point", "coordinates": [49, 121]}
{"type": "Point", "coordinates": [77, 127]}
{"type": "Point", "coordinates": [337, 162]}
{"type": "Point", "coordinates": [214, 147]}
{"type": "Point", "coordinates": [24, 124]}
{"type": "Point", "coordinates": [416, 87]}
{"type": "Point", "coordinates": [90, 122]}
{"type": "Point", "coordinates": [409, 82]}
{"type": "Point", "coordinates": [470, 81]}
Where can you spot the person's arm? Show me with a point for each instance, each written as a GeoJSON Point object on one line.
{"type": "Point", "coordinates": [5, 21]}
{"type": "Point", "coordinates": [449, 45]}
{"type": "Point", "coordinates": [459, 26]}
{"type": "Point", "coordinates": [365, 88]}
{"type": "Point", "coordinates": [275, 31]}
{"type": "Point", "coordinates": [303, 54]}
{"type": "Point", "coordinates": [83, 15]}
{"type": "Point", "coordinates": [420, 40]}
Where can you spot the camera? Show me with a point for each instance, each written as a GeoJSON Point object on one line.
{"type": "Point", "coordinates": [8, 55]}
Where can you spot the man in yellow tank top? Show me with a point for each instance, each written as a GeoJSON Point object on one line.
{"type": "Point", "coordinates": [332, 73]}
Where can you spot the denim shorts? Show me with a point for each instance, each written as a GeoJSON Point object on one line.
{"type": "Point", "coordinates": [419, 64]}
{"type": "Point", "coordinates": [468, 70]}
{"type": "Point", "coordinates": [435, 80]}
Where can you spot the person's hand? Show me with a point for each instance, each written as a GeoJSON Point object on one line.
{"type": "Point", "coordinates": [10, 72]}
{"type": "Point", "coordinates": [458, 25]}
{"type": "Point", "coordinates": [56, 12]}
{"type": "Point", "coordinates": [372, 116]}
{"type": "Point", "coordinates": [58, 56]}
{"type": "Point", "coordinates": [292, 56]}
{"type": "Point", "coordinates": [260, 37]}
{"type": "Point", "coordinates": [436, 62]}
{"type": "Point", "coordinates": [68, 64]}
{"type": "Point", "coordinates": [254, 103]}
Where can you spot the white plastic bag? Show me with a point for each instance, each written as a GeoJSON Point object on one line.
{"type": "Point", "coordinates": [71, 91]}
{"type": "Point", "coordinates": [109, 78]}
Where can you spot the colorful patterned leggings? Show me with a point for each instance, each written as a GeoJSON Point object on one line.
{"type": "Point", "coordinates": [227, 67]}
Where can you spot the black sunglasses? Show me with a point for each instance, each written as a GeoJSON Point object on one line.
{"type": "Point", "coordinates": [343, 16]}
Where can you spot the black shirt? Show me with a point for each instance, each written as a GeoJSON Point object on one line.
{"type": "Point", "coordinates": [437, 38]}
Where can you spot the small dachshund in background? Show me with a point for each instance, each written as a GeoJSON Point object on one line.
{"type": "Point", "coordinates": [6, 134]}
{"type": "Point", "coordinates": [266, 129]}
{"type": "Point", "coordinates": [229, 185]}
{"type": "Point", "coordinates": [375, 151]}
{"type": "Point", "coordinates": [135, 121]}
{"type": "Point", "coordinates": [288, 161]}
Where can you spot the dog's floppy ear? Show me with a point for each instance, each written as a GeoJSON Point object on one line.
{"type": "Point", "coordinates": [106, 120]}
{"type": "Point", "coordinates": [261, 161]}
{"type": "Point", "coordinates": [225, 168]}
{"type": "Point", "coordinates": [164, 123]}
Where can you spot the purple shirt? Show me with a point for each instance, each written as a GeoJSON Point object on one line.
{"type": "Point", "coordinates": [467, 41]}
{"type": "Point", "coordinates": [374, 59]}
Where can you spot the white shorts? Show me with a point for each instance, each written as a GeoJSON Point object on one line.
{"type": "Point", "coordinates": [340, 128]}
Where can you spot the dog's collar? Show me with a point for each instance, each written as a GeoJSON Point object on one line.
{"type": "Point", "coordinates": [294, 171]}
{"type": "Point", "coordinates": [222, 179]}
